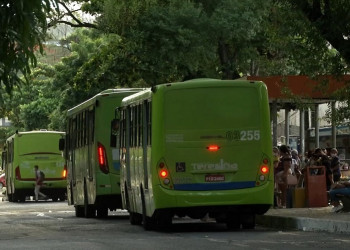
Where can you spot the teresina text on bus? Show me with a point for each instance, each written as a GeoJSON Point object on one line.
{"type": "Point", "coordinates": [222, 165]}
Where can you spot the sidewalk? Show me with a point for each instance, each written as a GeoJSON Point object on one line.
{"type": "Point", "coordinates": [306, 219]}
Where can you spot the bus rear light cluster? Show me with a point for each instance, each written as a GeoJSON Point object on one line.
{"type": "Point", "coordinates": [264, 171]}
{"type": "Point", "coordinates": [164, 175]}
{"type": "Point", "coordinates": [18, 173]}
{"type": "Point", "coordinates": [102, 158]}
{"type": "Point", "coordinates": [64, 174]}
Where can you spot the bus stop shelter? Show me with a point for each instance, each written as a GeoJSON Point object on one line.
{"type": "Point", "coordinates": [298, 92]}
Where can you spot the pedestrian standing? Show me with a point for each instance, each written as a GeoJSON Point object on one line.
{"type": "Point", "coordinates": [335, 165]}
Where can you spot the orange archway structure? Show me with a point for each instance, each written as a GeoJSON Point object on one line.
{"type": "Point", "coordinates": [319, 88]}
{"type": "Point", "coordinates": [285, 90]}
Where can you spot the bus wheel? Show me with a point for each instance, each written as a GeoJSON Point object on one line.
{"type": "Point", "coordinates": [22, 198]}
{"type": "Point", "coordinates": [102, 212]}
{"type": "Point", "coordinates": [15, 197]}
{"type": "Point", "coordinates": [147, 222]}
{"type": "Point", "coordinates": [248, 221]}
{"type": "Point", "coordinates": [233, 222]}
{"type": "Point", "coordinates": [89, 210]}
{"type": "Point", "coordinates": [9, 197]}
{"type": "Point", "coordinates": [79, 211]}
{"type": "Point", "coordinates": [62, 197]}
{"type": "Point", "coordinates": [135, 218]}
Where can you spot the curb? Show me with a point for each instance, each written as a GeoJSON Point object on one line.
{"type": "Point", "coordinates": [304, 224]}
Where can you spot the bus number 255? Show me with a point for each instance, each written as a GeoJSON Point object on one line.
{"type": "Point", "coordinates": [250, 135]}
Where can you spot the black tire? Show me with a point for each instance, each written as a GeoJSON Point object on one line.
{"type": "Point", "coordinates": [135, 218]}
{"type": "Point", "coordinates": [21, 198]}
{"type": "Point", "coordinates": [248, 221]}
{"type": "Point", "coordinates": [62, 197]}
{"type": "Point", "coordinates": [9, 197]}
{"type": "Point", "coordinates": [79, 211]}
{"type": "Point", "coordinates": [102, 212]}
{"type": "Point", "coordinates": [233, 222]}
{"type": "Point", "coordinates": [15, 197]}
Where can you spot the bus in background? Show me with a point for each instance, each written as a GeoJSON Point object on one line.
{"type": "Point", "coordinates": [93, 183]}
{"type": "Point", "coordinates": [24, 150]}
{"type": "Point", "coordinates": [197, 148]}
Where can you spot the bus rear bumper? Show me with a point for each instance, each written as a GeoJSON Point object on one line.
{"type": "Point", "coordinates": [256, 200]}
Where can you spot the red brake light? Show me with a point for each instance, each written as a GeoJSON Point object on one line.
{"type": "Point", "coordinates": [213, 148]}
{"type": "Point", "coordinates": [18, 173]}
{"type": "Point", "coordinates": [102, 158]}
{"type": "Point", "coordinates": [264, 169]}
{"type": "Point", "coordinates": [163, 173]}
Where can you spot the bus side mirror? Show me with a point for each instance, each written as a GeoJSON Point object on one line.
{"type": "Point", "coordinates": [61, 144]}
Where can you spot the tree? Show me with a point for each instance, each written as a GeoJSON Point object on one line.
{"type": "Point", "coordinates": [23, 28]}
{"type": "Point", "coordinates": [331, 19]}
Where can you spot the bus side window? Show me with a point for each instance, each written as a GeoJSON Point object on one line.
{"type": "Point", "coordinates": [114, 132]}
{"type": "Point", "coordinates": [61, 143]}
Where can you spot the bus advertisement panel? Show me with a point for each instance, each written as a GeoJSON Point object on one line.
{"type": "Point", "coordinates": [23, 151]}
{"type": "Point", "coordinates": [197, 148]}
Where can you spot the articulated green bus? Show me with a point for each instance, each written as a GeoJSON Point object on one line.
{"type": "Point", "coordinates": [92, 158]}
{"type": "Point", "coordinates": [197, 148]}
{"type": "Point", "coordinates": [22, 152]}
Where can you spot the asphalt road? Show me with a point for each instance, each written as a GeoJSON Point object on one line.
{"type": "Point", "coordinates": [53, 225]}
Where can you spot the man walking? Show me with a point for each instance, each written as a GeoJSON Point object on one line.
{"type": "Point", "coordinates": [38, 183]}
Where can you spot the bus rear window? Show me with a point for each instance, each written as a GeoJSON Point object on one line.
{"type": "Point", "coordinates": [208, 108]}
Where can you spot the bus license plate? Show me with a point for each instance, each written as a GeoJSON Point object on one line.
{"type": "Point", "coordinates": [214, 178]}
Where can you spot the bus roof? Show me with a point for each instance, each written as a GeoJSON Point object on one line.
{"type": "Point", "coordinates": [35, 132]}
{"type": "Point", "coordinates": [107, 92]}
{"type": "Point", "coordinates": [201, 82]}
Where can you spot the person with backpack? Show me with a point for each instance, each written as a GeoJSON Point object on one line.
{"type": "Point", "coordinates": [39, 180]}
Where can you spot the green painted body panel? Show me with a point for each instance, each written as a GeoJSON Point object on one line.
{"type": "Point", "coordinates": [187, 118]}
{"type": "Point", "coordinates": [28, 149]}
{"type": "Point", "coordinates": [101, 188]}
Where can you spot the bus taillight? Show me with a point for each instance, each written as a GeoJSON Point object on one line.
{"type": "Point", "coordinates": [163, 173]}
{"type": "Point", "coordinates": [18, 173]}
{"type": "Point", "coordinates": [264, 169]}
{"type": "Point", "coordinates": [213, 148]}
{"type": "Point", "coordinates": [64, 174]}
{"type": "Point", "coordinates": [102, 158]}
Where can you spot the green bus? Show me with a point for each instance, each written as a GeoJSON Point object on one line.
{"type": "Point", "coordinates": [91, 157]}
{"type": "Point", "coordinates": [24, 150]}
{"type": "Point", "coordinates": [197, 148]}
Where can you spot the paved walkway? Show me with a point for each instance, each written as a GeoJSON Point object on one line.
{"type": "Point", "coordinates": [307, 219]}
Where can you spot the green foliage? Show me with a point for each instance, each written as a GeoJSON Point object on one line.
{"type": "Point", "coordinates": [144, 43]}
{"type": "Point", "coordinates": [23, 28]}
